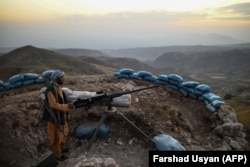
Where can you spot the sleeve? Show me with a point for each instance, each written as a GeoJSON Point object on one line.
{"type": "Point", "coordinates": [54, 104]}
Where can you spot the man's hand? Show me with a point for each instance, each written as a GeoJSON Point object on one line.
{"type": "Point", "coordinates": [71, 105]}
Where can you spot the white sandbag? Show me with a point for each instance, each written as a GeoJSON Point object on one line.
{"type": "Point", "coordinates": [67, 92]}
{"type": "Point", "coordinates": [81, 95]}
{"type": "Point", "coordinates": [122, 101]}
{"type": "Point", "coordinates": [42, 95]}
{"type": "Point", "coordinates": [165, 142]}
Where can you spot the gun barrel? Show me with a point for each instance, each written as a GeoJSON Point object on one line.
{"type": "Point", "coordinates": [89, 101]}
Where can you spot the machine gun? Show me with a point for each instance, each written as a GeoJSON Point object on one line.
{"type": "Point", "coordinates": [104, 99]}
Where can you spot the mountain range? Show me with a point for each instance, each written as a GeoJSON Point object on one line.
{"type": "Point", "coordinates": [184, 60]}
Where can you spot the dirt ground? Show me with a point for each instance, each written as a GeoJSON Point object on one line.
{"type": "Point", "coordinates": [155, 111]}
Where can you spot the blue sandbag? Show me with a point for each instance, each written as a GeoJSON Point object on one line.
{"type": "Point", "coordinates": [211, 96]}
{"type": "Point", "coordinates": [149, 78]}
{"type": "Point", "coordinates": [40, 80]}
{"type": "Point", "coordinates": [211, 108]}
{"type": "Point", "coordinates": [217, 103]}
{"type": "Point", "coordinates": [173, 87]}
{"type": "Point", "coordinates": [84, 132]}
{"type": "Point", "coordinates": [48, 73]}
{"type": "Point", "coordinates": [165, 142]}
{"type": "Point", "coordinates": [30, 76]}
{"type": "Point", "coordinates": [175, 77]}
{"type": "Point", "coordinates": [28, 82]}
{"type": "Point", "coordinates": [191, 95]}
{"type": "Point", "coordinates": [127, 71]}
{"type": "Point", "coordinates": [135, 76]}
{"type": "Point", "coordinates": [144, 73]}
{"type": "Point", "coordinates": [161, 82]}
{"type": "Point", "coordinates": [184, 92]}
{"type": "Point", "coordinates": [203, 88]}
{"type": "Point", "coordinates": [174, 82]}
{"type": "Point", "coordinates": [190, 84]}
{"type": "Point", "coordinates": [2, 88]}
{"type": "Point", "coordinates": [16, 78]}
{"type": "Point", "coordinates": [1, 83]}
{"type": "Point", "coordinates": [9, 86]}
{"type": "Point", "coordinates": [104, 131]}
{"type": "Point", "coordinates": [163, 78]}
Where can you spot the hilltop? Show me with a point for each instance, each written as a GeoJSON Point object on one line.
{"type": "Point", "coordinates": [156, 111]}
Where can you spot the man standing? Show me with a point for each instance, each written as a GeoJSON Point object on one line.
{"type": "Point", "coordinates": [58, 130]}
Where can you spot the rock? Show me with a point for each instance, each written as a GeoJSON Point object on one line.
{"type": "Point", "coordinates": [235, 145]}
{"type": "Point", "coordinates": [110, 162]}
{"type": "Point", "coordinates": [229, 129]}
{"type": "Point", "coordinates": [227, 114]}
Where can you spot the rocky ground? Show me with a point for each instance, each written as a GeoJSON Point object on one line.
{"type": "Point", "coordinates": [155, 111]}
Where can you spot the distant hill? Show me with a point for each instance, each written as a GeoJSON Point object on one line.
{"type": "Point", "coordinates": [231, 61]}
{"type": "Point", "coordinates": [79, 52]}
{"type": "Point", "coordinates": [32, 59]}
{"type": "Point", "coordinates": [152, 53]}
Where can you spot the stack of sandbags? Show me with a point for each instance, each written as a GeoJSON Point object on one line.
{"type": "Point", "coordinates": [213, 102]}
{"type": "Point", "coordinates": [187, 88]}
{"type": "Point", "coordinates": [162, 79]}
{"type": "Point", "coordinates": [174, 81]}
{"type": "Point", "coordinates": [146, 76]}
{"type": "Point", "coordinates": [124, 73]}
{"type": "Point", "coordinates": [29, 78]}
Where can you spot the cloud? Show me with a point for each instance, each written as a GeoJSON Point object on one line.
{"type": "Point", "coordinates": [239, 12]}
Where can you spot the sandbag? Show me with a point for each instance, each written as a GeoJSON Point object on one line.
{"type": "Point", "coordinates": [47, 74]}
{"type": "Point", "coordinates": [175, 77]}
{"type": "Point", "coordinates": [163, 78]}
{"type": "Point", "coordinates": [9, 86]}
{"type": "Point", "coordinates": [144, 73]}
{"type": "Point", "coordinates": [204, 88]}
{"type": "Point", "coordinates": [81, 95]}
{"type": "Point", "coordinates": [16, 78]}
{"type": "Point", "coordinates": [127, 71]}
{"type": "Point", "coordinates": [83, 132]}
{"type": "Point", "coordinates": [67, 92]}
{"type": "Point", "coordinates": [30, 76]}
{"type": "Point", "coordinates": [184, 92]}
{"type": "Point", "coordinates": [211, 97]}
{"type": "Point", "coordinates": [28, 82]}
{"type": "Point", "coordinates": [190, 84]}
{"type": "Point", "coordinates": [123, 101]}
{"type": "Point", "coordinates": [1, 83]}
{"type": "Point", "coordinates": [118, 75]}
{"type": "Point", "coordinates": [40, 80]}
{"type": "Point", "coordinates": [104, 131]}
{"type": "Point", "coordinates": [165, 142]}
{"type": "Point", "coordinates": [151, 78]}
{"type": "Point", "coordinates": [135, 76]}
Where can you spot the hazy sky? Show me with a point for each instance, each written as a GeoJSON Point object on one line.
{"type": "Point", "coordinates": [113, 24]}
